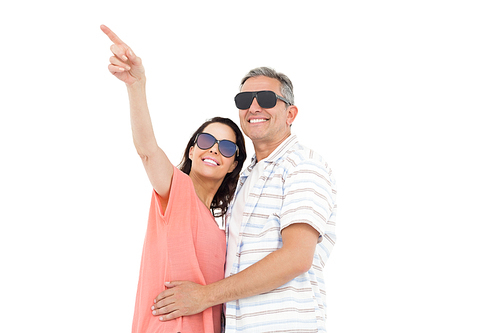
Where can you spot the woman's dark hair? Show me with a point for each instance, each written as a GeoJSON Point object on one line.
{"type": "Point", "coordinates": [226, 190]}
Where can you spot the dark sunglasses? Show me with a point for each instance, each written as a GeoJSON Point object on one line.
{"type": "Point", "coordinates": [266, 99]}
{"type": "Point", "coordinates": [206, 141]}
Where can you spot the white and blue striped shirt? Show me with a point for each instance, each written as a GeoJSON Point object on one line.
{"type": "Point", "coordinates": [296, 186]}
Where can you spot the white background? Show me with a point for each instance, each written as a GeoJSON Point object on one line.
{"type": "Point", "coordinates": [401, 97]}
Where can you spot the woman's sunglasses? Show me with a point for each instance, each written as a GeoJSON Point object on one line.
{"type": "Point", "coordinates": [266, 99]}
{"type": "Point", "coordinates": [206, 141]}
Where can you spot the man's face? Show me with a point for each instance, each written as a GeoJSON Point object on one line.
{"type": "Point", "coordinates": [265, 125]}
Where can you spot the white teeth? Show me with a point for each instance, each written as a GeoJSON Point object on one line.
{"type": "Point", "coordinates": [210, 161]}
{"type": "Point", "coordinates": [253, 121]}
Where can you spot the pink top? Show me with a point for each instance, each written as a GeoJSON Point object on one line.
{"type": "Point", "coordinates": [183, 243]}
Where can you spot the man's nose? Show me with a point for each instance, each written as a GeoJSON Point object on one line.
{"type": "Point", "coordinates": [255, 105]}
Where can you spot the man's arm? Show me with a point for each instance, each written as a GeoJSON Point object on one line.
{"type": "Point", "coordinates": [185, 298]}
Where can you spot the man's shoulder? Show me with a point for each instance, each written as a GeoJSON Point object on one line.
{"type": "Point", "coordinates": [299, 155]}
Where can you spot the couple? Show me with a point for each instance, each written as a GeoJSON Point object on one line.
{"type": "Point", "coordinates": [279, 227]}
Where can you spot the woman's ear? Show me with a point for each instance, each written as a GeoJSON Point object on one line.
{"type": "Point", "coordinates": [191, 153]}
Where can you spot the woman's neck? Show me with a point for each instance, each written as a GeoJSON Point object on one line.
{"type": "Point", "coordinates": [205, 189]}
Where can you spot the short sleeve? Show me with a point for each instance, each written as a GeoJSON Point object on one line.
{"type": "Point", "coordinates": [309, 197]}
{"type": "Point", "coordinates": [181, 192]}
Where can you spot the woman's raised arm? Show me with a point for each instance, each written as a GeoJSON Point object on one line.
{"type": "Point", "coordinates": [127, 67]}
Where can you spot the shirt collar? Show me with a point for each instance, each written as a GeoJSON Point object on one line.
{"type": "Point", "coordinates": [282, 149]}
{"type": "Point", "coordinates": [277, 153]}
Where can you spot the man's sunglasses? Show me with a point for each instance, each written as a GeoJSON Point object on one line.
{"type": "Point", "coordinates": [266, 99]}
{"type": "Point", "coordinates": [206, 141]}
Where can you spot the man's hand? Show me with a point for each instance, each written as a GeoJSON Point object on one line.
{"type": "Point", "coordinates": [182, 298]}
{"type": "Point", "coordinates": [124, 64]}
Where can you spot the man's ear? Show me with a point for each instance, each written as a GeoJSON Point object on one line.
{"type": "Point", "coordinates": [292, 112]}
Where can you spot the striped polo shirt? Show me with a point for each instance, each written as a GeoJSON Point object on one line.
{"type": "Point", "coordinates": [296, 186]}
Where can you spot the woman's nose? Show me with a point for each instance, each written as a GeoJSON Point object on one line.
{"type": "Point", "coordinates": [215, 150]}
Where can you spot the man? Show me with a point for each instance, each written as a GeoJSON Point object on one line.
{"type": "Point", "coordinates": [280, 228]}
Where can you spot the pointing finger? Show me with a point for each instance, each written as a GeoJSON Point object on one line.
{"type": "Point", "coordinates": [114, 38]}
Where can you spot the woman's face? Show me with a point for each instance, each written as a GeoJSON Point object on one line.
{"type": "Point", "coordinates": [210, 163]}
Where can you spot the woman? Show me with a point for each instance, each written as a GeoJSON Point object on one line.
{"type": "Point", "coordinates": [183, 241]}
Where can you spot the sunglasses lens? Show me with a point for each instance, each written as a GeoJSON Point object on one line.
{"type": "Point", "coordinates": [227, 148]}
{"type": "Point", "coordinates": [205, 141]}
{"type": "Point", "coordinates": [266, 99]}
{"type": "Point", "coordinates": [243, 100]}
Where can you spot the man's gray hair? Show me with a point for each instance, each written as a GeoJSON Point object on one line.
{"type": "Point", "coordinates": [286, 84]}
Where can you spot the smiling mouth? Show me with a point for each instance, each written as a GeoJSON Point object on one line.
{"type": "Point", "coordinates": [254, 121]}
{"type": "Point", "coordinates": [210, 161]}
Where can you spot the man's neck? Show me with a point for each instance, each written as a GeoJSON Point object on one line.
{"type": "Point", "coordinates": [264, 149]}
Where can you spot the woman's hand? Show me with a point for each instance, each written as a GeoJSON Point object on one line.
{"type": "Point", "coordinates": [124, 64]}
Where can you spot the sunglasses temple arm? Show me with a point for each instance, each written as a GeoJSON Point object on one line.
{"type": "Point", "coordinates": [283, 99]}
